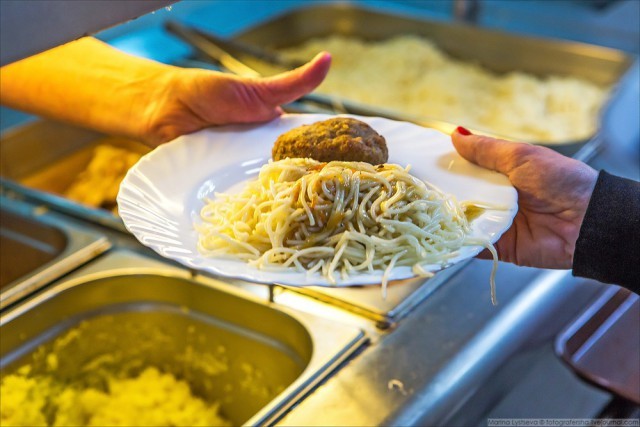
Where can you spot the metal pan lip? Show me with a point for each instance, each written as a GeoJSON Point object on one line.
{"type": "Point", "coordinates": [82, 245]}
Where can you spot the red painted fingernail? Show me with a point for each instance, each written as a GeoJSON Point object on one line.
{"type": "Point", "coordinates": [463, 131]}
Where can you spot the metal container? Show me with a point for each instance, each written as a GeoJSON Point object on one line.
{"type": "Point", "coordinates": [125, 312]}
{"type": "Point", "coordinates": [497, 51]}
{"type": "Point", "coordinates": [37, 247]}
{"type": "Point", "coordinates": [602, 345]}
{"type": "Point", "coordinates": [64, 152]}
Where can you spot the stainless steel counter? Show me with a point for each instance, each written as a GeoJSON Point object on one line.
{"type": "Point", "coordinates": [454, 356]}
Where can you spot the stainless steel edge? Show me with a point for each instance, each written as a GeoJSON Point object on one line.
{"type": "Point", "coordinates": [83, 245]}
{"type": "Point", "coordinates": [402, 296]}
{"type": "Point", "coordinates": [453, 355]}
{"type": "Point", "coordinates": [321, 366]}
{"type": "Point", "coordinates": [63, 205]}
{"type": "Point", "coordinates": [562, 339]}
{"type": "Point", "coordinates": [116, 262]}
{"type": "Point", "coordinates": [428, 288]}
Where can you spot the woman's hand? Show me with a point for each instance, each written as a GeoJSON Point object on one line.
{"type": "Point", "coordinates": [194, 99]}
{"type": "Point", "coordinates": [90, 84]}
{"type": "Point", "coordinates": [553, 195]}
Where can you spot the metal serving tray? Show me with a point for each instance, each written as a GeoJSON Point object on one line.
{"type": "Point", "coordinates": [37, 247]}
{"type": "Point", "coordinates": [125, 312]}
{"type": "Point", "coordinates": [41, 159]}
{"type": "Point", "coordinates": [497, 51]}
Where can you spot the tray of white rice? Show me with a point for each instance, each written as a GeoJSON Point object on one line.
{"type": "Point", "coordinates": [443, 74]}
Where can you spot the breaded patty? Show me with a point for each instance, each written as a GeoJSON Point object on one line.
{"type": "Point", "coordinates": [339, 138]}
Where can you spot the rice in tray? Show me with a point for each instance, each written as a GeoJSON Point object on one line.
{"type": "Point", "coordinates": [410, 74]}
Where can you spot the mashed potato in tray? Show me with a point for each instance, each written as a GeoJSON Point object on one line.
{"type": "Point", "coordinates": [410, 74]}
{"type": "Point", "coordinates": [151, 399]}
{"type": "Point", "coordinates": [98, 185]}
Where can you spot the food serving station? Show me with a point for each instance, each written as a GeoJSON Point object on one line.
{"type": "Point", "coordinates": [81, 299]}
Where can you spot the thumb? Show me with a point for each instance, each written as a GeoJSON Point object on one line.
{"type": "Point", "coordinates": [291, 85]}
{"type": "Point", "coordinates": [491, 153]}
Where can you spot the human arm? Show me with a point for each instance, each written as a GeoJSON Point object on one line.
{"type": "Point", "coordinates": [608, 247]}
{"type": "Point", "coordinates": [556, 210]}
{"type": "Point", "coordinates": [91, 84]}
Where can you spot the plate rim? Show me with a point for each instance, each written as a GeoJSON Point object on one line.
{"type": "Point", "coordinates": [253, 274]}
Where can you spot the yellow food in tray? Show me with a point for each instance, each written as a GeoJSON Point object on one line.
{"type": "Point", "coordinates": [22, 401]}
{"type": "Point", "coordinates": [152, 398]}
{"type": "Point", "coordinates": [98, 185]}
{"type": "Point", "coordinates": [83, 378]}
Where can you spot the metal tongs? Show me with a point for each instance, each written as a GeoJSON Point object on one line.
{"type": "Point", "coordinates": [226, 53]}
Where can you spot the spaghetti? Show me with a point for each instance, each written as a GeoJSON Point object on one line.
{"type": "Point", "coordinates": [336, 218]}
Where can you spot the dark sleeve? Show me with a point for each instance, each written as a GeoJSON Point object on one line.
{"type": "Point", "coordinates": [608, 246]}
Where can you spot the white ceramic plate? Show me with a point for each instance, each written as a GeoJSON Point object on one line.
{"type": "Point", "coordinates": [161, 197]}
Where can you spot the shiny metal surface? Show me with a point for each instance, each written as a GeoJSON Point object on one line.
{"type": "Point", "coordinates": [26, 245]}
{"type": "Point", "coordinates": [368, 301]}
{"type": "Point", "coordinates": [610, 322]}
{"type": "Point", "coordinates": [455, 355]}
{"type": "Point", "coordinates": [137, 309]}
{"type": "Point", "coordinates": [196, 39]}
{"type": "Point", "coordinates": [37, 247]}
{"type": "Point", "coordinates": [63, 153]}
{"type": "Point", "coordinates": [217, 51]}
{"type": "Point", "coordinates": [497, 51]}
